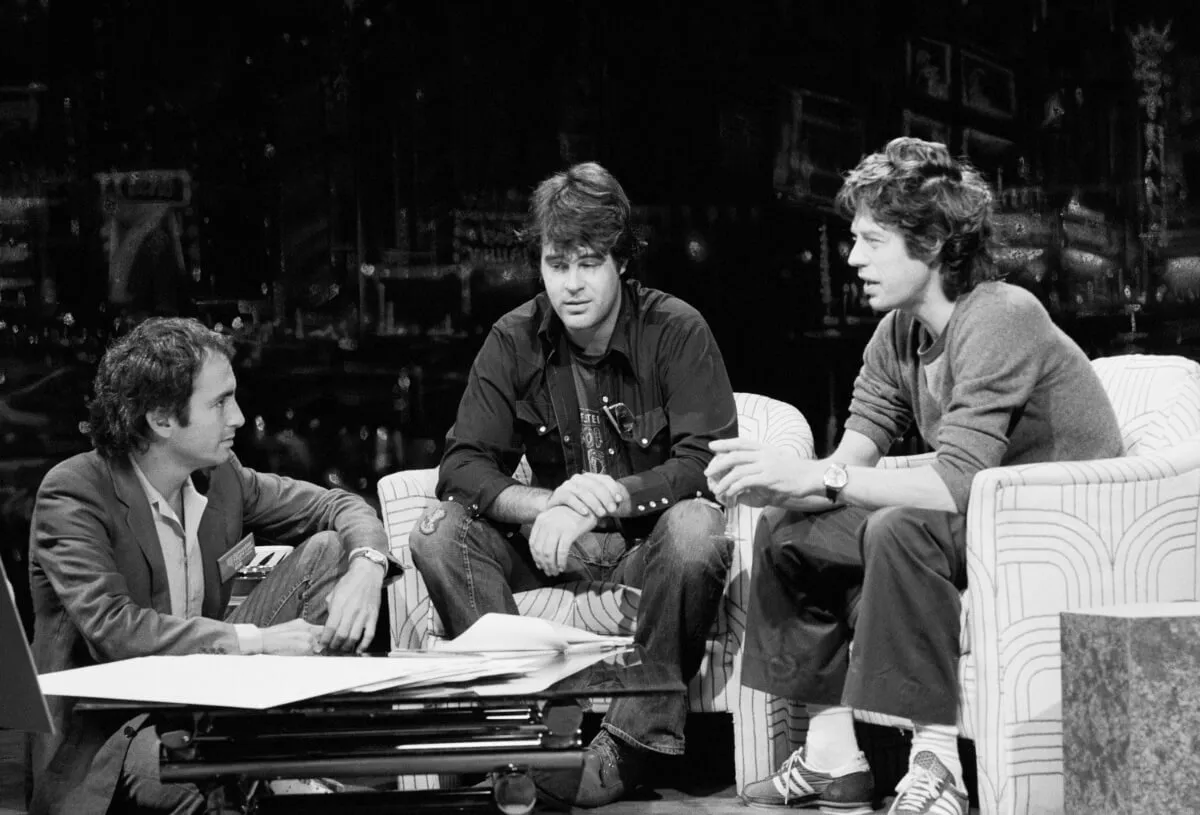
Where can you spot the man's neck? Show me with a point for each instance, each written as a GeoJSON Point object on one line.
{"type": "Point", "coordinates": [165, 475]}
{"type": "Point", "coordinates": [594, 342]}
{"type": "Point", "coordinates": [934, 311]}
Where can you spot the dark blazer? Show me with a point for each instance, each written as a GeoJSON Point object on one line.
{"type": "Point", "coordinates": [100, 592]}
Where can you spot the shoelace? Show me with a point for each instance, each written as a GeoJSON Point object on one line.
{"type": "Point", "coordinates": [785, 772]}
{"type": "Point", "coordinates": [917, 790]}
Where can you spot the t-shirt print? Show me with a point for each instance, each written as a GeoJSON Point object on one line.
{"type": "Point", "coordinates": [591, 423]}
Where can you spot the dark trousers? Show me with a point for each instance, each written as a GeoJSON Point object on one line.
{"type": "Point", "coordinates": [889, 578]}
{"type": "Point", "coordinates": [471, 568]}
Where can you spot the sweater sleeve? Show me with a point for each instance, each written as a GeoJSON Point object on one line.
{"type": "Point", "coordinates": [881, 407]}
{"type": "Point", "coordinates": [995, 358]}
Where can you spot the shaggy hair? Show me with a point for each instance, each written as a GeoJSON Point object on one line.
{"type": "Point", "coordinates": [581, 208]}
{"type": "Point", "coordinates": [153, 367]}
{"type": "Point", "coordinates": [942, 207]}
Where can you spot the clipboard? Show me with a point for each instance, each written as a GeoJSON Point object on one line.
{"type": "Point", "coordinates": [22, 706]}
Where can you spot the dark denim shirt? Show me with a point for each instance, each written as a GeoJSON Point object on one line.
{"type": "Point", "coordinates": [662, 363]}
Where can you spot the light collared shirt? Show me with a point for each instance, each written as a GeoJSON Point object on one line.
{"type": "Point", "coordinates": [180, 543]}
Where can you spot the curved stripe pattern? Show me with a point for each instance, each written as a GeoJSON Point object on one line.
{"type": "Point", "coordinates": [1046, 538]}
{"type": "Point", "coordinates": [764, 727]}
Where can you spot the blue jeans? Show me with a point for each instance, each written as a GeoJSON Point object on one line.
{"type": "Point", "coordinates": [471, 568]}
{"type": "Point", "coordinates": [296, 588]}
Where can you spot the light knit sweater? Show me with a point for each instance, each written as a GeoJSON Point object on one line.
{"type": "Point", "coordinates": [1001, 385]}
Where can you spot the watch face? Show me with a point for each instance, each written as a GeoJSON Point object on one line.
{"type": "Point", "coordinates": [836, 477]}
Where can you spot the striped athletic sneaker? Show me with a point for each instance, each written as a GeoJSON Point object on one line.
{"type": "Point", "coordinates": [848, 790]}
{"type": "Point", "coordinates": [928, 789]}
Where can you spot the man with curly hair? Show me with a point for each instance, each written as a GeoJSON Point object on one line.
{"type": "Point", "coordinates": [612, 392]}
{"type": "Point", "coordinates": [847, 550]}
{"type": "Point", "coordinates": [134, 547]}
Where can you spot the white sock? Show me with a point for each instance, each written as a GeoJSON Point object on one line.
{"type": "Point", "coordinates": [942, 741]}
{"type": "Point", "coordinates": [831, 742]}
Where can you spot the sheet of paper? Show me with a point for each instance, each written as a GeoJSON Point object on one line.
{"type": "Point", "coordinates": [218, 680]}
{"type": "Point", "coordinates": [513, 632]}
{"type": "Point", "coordinates": [542, 678]}
{"type": "Point", "coordinates": [454, 669]}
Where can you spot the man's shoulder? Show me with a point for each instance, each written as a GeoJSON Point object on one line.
{"type": "Point", "coordinates": [525, 319]}
{"type": "Point", "coordinates": [1003, 300]}
{"type": "Point", "coordinates": [78, 469]}
{"type": "Point", "coordinates": [664, 306]}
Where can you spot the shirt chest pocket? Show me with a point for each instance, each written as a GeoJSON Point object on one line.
{"type": "Point", "coordinates": [649, 443]}
{"type": "Point", "coordinates": [538, 432]}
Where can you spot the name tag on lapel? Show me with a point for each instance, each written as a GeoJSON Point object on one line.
{"type": "Point", "coordinates": [237, 557]}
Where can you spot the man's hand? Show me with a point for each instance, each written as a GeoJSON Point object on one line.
{"type": "Point", "coordinates": [590, 494]}
{"type": "Point", "coordinates": [552, 535]}
{"type": "Point", "coordinates": [353, 608]}
{"type": "Point", "coordinates": [751, 473]}
{"type": "Point", "coordinates": [293, 638]}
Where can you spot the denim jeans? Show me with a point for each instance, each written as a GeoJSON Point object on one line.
{"type": "Point", "coordinates": [471, 568]}
{"type": "Point", "coordinates": [295, 588]}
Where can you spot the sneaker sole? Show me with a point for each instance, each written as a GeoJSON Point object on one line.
{"type": "Point", "coordinates": [825, 808]}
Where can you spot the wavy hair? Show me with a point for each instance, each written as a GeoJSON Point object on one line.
{"type": "Point", "coordinates": [942, 207]}
{"type": "Point", "coordinates": [153, 367]}
{"type": "Point", "coordinates": [583, 207]}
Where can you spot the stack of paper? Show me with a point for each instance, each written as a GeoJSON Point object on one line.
{"type": "Point", "coordinates": [498, 646]}
{"type": "Point", "coordinates": [513, 632]}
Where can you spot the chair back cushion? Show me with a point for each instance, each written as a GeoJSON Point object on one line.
{"type": "Point", "coordinates": [1156, 399]}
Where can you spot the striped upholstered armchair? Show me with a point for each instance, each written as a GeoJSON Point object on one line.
{"type": "Point", "coordinates": [761, 735]}
{"type": "Point", "coordinates": [1046, 538]}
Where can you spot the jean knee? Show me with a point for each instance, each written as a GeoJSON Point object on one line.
{"type": "Point", "coordinates": [695, 533]}
{"type": "Point", "coordinates": [434, 531]}
{"type": "Point", "coordinates": [323, 549]}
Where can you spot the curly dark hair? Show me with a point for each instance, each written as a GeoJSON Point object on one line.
{"type": "Point", "coordinates": [942, 207]}
{"type": "Point", "coordinates": [583, 207]}
{"type": "Point", "coordinates": [153, 367]}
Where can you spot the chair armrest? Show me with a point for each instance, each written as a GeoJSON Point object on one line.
{"type": "Point", "coordinates": [1046, 538]}
{"type": "Point", "coordinates": [771, 422]}
{"type": "Point", "coordinates": [1103, 523]}
{"type": "Point", "coordinates": [403, 497]}
{"type": "Point", "coordinates": [903, 462]}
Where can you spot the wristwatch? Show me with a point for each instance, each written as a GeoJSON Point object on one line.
{"type": "Point", "coordinates": [835, 480]}
{"type": "Point", "coordinates": [373, 555]}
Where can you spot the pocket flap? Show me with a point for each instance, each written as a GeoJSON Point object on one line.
{"type": "Point", "coordinates": [648, 425]}
{"type": "Point", "coordinates": [540, 415]}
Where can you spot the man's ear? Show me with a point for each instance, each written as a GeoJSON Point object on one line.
{"type": "Point", "coordinates": [161, 422]}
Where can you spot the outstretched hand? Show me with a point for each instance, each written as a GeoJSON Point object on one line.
{"type": "Point", "coordinates": [748, 472]}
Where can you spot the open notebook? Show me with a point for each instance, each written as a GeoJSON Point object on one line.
{"type": "Point", "coordinates": [22, 706]}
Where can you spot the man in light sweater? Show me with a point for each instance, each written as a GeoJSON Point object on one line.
{"type": "Point", "coordinates": [850, 551]}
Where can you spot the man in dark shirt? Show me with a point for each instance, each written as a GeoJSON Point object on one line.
{"type": "Point", "coordinates": [612, 391]}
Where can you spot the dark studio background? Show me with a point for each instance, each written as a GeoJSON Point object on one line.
{"type": "Point", "coordinates": [354, 171]}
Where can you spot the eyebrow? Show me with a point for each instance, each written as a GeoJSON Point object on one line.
{"type": "Point", "coordinates": [582, 254]}
{"type": "Point", "coordinates": [225, 394]}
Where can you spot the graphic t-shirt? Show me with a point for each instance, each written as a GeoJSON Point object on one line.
{"type": "Point", "coordinates": [596, 436]}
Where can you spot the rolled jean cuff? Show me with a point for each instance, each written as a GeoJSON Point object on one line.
{"type": "Point", "coordinates": [672, 747]}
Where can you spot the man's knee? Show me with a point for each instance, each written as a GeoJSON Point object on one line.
{"type": "Point", "coordinates": [898, 534]}
{"type": "Point", "coordinates": [435, 530]}
{"type": "Point", "coordinates": [323, 550]}
{"type": "Point", "coordinates": [694, 530]}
